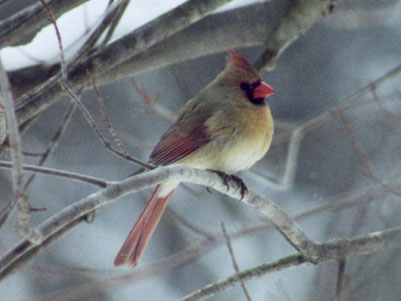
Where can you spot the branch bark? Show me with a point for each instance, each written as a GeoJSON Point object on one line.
{"type": "Point", "coordinates": [230, 29]}
{"type": "Point", "coordinates": [311, 252]}
{"type": "Point", "coordinates": [139, 182]}
{"type": "Point", "coordinates": [28, 21]}
{"type": "Point", "coordinates": [40, 98]}
{"type": "Point", "coordinates": [332, 250]}
{"type": "Point", "coordinates": [55, 172]}
{"type": "Point", "coordinates": [300, 17]}
{"type": "Point", "coordinates": [14, 138]}
{"type": "Point", "coordinates": [126, 56]}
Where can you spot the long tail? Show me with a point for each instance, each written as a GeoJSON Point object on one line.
{"type": "Point", "coordinates": [140, 234]}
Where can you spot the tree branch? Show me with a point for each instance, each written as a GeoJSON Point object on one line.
{"type": "Point", "coordinates": [14, 138]}
{"type": "Point", "coordinates": [139, 182]}
{"type": "Point", "coordinates": [192, 251]}
{"type": "Point", "coordinates": [230, 29]}
{"type": "Point", "coordinates": [59, 173]}
{"type": "Point", "coordinates": [336, 249]}
{"type": "Point", "coordinates": [339, 248]}
{"type": "Point", "coordinates": [40, 98]}
{"type": "Point", "coordinates": [299, 18]}
{"type": "Point", "coordinates": [18, 26]}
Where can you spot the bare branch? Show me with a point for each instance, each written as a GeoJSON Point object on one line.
{"type": "Point", "coordinates": [230, 29]}
{"type": "Point", "coordinates": [13, 133]}
{"type": "Point", "coordinates": [186, 255]}
{"type": "Point", "coordinates": [3, 123]}
{"type": "Point", "coordinates": [112, 14]}
{"type": "Point", "coordinates": [312, 252]}
{"type": "Point", "coordinates": [267, 268]}
{"type": "Point", "coordinates": [65, 85]}
{"type": "Point", "coordinates": [4, 2]}
{"type": "Point", "coordinates": [180, 173]}
{"type": "Point", "coordinates": [340, 278]}
{"type": "Point", "coordinates": [301, 15]}
{"type": "Point", "coordinates": [14, 138]}
{"type": "Point", "coordinates": [233, 260]}
{"type": "Point", "coordinates": [195, 250]}
{"type": "Point", "coordinates": [99, 134]}
{"type": "Point", "coordinates": [188, 225]}
{"type": "Point", "coordinates": [114, 22]}
{"type": "Point", "coordinates": [59, 173]}
{"type": "Point", "coordinates": [389, 116]}
{"type": "Point", "coordinates": [60, 43]}
{"type": "Point", "coordinates": [354, 142]}
{"type": "Point", "coordinates": [53, 144]}
{"type": "Point", "coordinates": [298, 132]}
{"type": "Point", "coordinates": [106, 118]}
{"type": "Point", "coordinates": [153, 105]}
{"type": "Point", "coordinates": [31, 19]}
{"type": "Point", "coordinates": [364, 244]}
{"type": "Point", "coordinates": [116, 53]}
{"type": "Point", "coordinates": [341, 248]}
{"type": "Point", "coordinates": [331, 250]}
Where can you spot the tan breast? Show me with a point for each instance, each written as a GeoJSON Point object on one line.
{"type": "Point", "coordinates": [241, 136]}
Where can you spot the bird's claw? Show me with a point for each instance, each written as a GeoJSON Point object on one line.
{"type": "Point", "coordinates": [240, 184]}
{"type": "Point", "coordinates": [226, 177]}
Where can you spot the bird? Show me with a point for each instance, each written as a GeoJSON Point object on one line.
{"type": "Point", "coordinates": [227, 127]}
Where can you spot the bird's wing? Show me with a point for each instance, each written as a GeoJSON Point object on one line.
{"type": "Point", "coordinates": [179, 141]}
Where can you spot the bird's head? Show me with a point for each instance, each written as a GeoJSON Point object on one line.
{"type": "Point", "coordinates": [243, 80]}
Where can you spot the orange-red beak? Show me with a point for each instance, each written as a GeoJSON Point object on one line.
{"type": "Point", "coordinates": [262, 91]}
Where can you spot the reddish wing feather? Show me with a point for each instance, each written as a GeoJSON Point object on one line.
{"type": "Point", "coordinates": [174, 146]}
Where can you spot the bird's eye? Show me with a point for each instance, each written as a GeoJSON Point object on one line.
{"type": "Point", "coordinates": [249, 89]}
{"type": "Point", "coordinates": [256, 84]}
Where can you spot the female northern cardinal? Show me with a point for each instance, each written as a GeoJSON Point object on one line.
{"type": "Point", "coordinates": [227, 127]}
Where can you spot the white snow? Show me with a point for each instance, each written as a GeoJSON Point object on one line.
{"type": "Point", "coordinates": [76, 24]}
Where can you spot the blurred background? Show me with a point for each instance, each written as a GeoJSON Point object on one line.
{"type": "Point", "coordinates": [346, 182]}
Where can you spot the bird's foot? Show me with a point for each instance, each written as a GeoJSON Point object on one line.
{"type": "Point", "coordinates": [226, 177]}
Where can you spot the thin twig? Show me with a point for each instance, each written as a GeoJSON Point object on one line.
{"type": "Point", "coordinates": [354, 142]}
{"type": "Point", "coordinates": [4, 2]}
{"type": "Point", "coordinates": [19, 197]}
{"type": "Point", "coordinates": [112, 192]}
{"type": "Point", "coordinates": [387, 114]}
{"type": "Point", "coordinates": [355, 145]}
{"type": "Point", "coordinates": [267, 268]}
{"type": "Point", "coordinates": [386, 187]}
{"type": "Point", "coordinates": [31, 19]}
{"type": "Point", "coordinates": [93, 125]}
{"type": "Point", "coordinates": [299, 132]}
{"type": "Point", "coordinates": [3, 124]}
{"type": "Point", "coordinates": [59, 173]}
{"type": "Point", "coordinates": [54, 142]}
{"type": "Point", "coordinates": [301, 15]}
{"type": "Point", "coordinates": [114, 22]}
{"type": "Point", "coordinates": [233, 260]}
{"type": "Point", "coordinates": [66, 87]}
{"type": "Point", "coordinates": [390, 238]}
{"type": "Point", "coordinates": [164, 26]}
{"type": "Point", "coordinates": [24, 251]}
{"type": "Point", "coordinates": [195, 250]}
{"type": "Point", "coordinates": [185, 223]}
{"type": "Point", "coordinates": [112, 11]}
{"type": "Point", "coordinates": [152, 104]}
{"type": "Point", "coordinates": [107, 121]}
{"type": "Point", "coordinates": [340, 278]}
{"type": "Point", "coordinates": [63, 81]}
{"type": "Point", "coordinates": [60, 44]}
